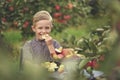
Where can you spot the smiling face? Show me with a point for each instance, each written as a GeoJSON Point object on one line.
{"type": "Point", "coordinates": [42, 27]}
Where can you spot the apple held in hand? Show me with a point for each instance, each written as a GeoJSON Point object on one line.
{"type": "Point", "coordinates": [59, 53]}
{"type": "Point", "coordinates": [58, 50]}
{"type": "Point", "coordinates": [43, 36]}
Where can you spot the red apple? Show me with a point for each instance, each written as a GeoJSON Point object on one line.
{"type": "Point", "coordinates": [93, 63]}
{"type": "Point", "coordinates": [60, 56]}
{"type": "Point", "coordinates": [66, 17]}
{"type": "Point", "coordinates": [57, 7]}
{"type": "Point", "coordinates": [62, 21]}
{"type": "Point", "coordinates": [26, 23]}
{"type": "Point", "coordinates": [67, 51]}
{"type": "Point", "coordinates": [57, 14]}
{"type": "Point", "coordinates": [11, 8]}
{"type": "Point", "coordinates": [9, 0]}
{"type": "Point", "coordinates": [89, 63]}
{"type": "Point", "coordinates": [4, 19]}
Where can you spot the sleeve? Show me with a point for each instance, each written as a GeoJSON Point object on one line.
{"type": "Point", "coordinates": [25, 54]}
{"type": "Point", "coordinates": [56, 44]}
{"type": "Point", "coordinates": [27, 51]}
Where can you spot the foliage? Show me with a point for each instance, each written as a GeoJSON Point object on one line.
{"type": "Point", "coordinates": [95, 47]}
{"type": "Point", "coordinates": [18, 14]}
{"type": "Point", "coordinates": [96, 43]}
{"type": "Point", "coordinates": [13, 40]}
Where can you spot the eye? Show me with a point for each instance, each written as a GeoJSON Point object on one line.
{"type": "Point", "coordinates": [47, 27]}
{"type": "Point", "coordinates": [40, 27]}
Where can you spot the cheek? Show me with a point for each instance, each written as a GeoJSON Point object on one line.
{"type": "Point", "coordinates": [38, 31]}
{"type": "Point", "coordinates": [48, 31]}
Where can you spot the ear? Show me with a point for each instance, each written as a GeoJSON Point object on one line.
{"type": "Point", "coordinates": [33, 28]}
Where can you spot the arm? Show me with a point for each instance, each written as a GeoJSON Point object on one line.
{"type": "Point", "coordinates": [27, 52]}
{"type": "Point", "coordinates": [49, 42]}
{"type": "Point", "coordinates": [26, 60]}
{"type": "Point", "coordinates": [52, 45]}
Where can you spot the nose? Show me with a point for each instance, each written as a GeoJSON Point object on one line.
{"type": "Point", "coordinates": [43, 31]}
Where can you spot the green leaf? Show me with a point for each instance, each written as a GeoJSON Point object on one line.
{"type": "Point", "coordinates": [93, 47]}
{"type": "Point", "coordinates": [84, 62]}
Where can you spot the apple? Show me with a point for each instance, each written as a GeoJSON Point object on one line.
{"type": "Point", "coordinates": [62, 21]}
{"type": "Point", "coordinates": [61, 68]}
{"type": "Point", "coordinates": [89, 64]}
{"type": "Point", "coordinates": [58, 50]}
{"type": "Point", "coordinates": [55, 56]}
{"type": "Point", "coordinates": [93, 63]}
{"type": "Point", "coordinates": [67, 51]}
{"type": "Point", "coordinates": [47, 64]}
{"type": "Point", "coordinates": [60, 56]}
{"type": "Point", "coordinates": [57, 14]}
{"type": "Point", "coordinates": [52, 67]}
{"type": "Point", "coordinates": [66, 17]}
{"type": "Point", "coordinates": [4, 19]}
{"type": "Point", "coordinates": [9, 0]}
{"type": "Point", "coordinates": [26, 23]}
{"type": "Point", "coordinates": [11, 8]}
{"type": "Point", "coordinates": [69, 56]}
{"type": "Point", "coordinates": [70, 5]}
{"type": "Point", "coordinates": [57, 7]}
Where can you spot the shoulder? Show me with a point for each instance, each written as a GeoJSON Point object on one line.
{"type": "Point", "coordinates": [56, 43]}
{"type": "Point", "coordinates": [27, 43]}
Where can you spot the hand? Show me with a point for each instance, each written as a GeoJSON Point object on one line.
{"type": "Point", "coordinates": [48, 39]}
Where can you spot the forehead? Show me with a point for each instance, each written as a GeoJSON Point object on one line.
{"type": "Point", "coordinates": [43, 23]}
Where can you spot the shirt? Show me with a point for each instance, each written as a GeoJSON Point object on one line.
{"type": "Point", "coordinates": [36, 51]}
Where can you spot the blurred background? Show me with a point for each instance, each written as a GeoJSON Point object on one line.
{"type": "Point", "coordinates": [96, 22]}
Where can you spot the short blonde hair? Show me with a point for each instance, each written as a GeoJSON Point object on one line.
{"type": "Point", "coordinates": [42, 15]}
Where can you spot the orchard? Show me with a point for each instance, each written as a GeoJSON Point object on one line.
{"type": "Point", "coordinates": [18, 14]}
{"type": "Point", "coordinates": [88, 31]}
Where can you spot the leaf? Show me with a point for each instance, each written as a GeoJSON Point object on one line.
{"type": "Point", "coordinates": [84, 62]}
{"type": "Point", "coordinates": [93, 47]}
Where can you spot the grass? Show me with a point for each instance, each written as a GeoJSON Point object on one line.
{"type": "Point", "coordinates": [78, 32]}
{"type": "Point", "coordinates": [13, 41]}
{"type": "Point", "coordinates": [12, 36]}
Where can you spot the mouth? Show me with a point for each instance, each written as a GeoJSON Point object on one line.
{"type": "Point", "coordinates": [42, 36]}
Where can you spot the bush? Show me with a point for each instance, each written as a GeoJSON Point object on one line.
{"type": "Point", "coordinates": [18, 14]}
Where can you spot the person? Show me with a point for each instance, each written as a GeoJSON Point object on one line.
{"type": "Point", "coordinates": [42, 46]}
